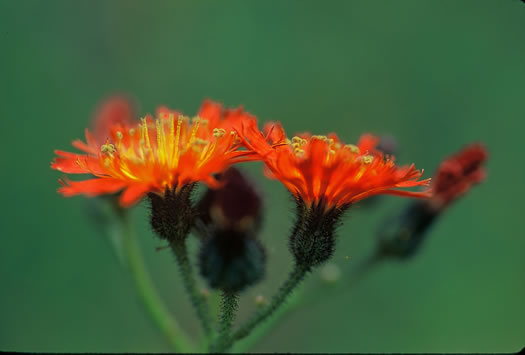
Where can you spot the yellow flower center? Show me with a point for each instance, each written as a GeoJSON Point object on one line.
{"type": "Point", "coordinates": [155, 148]}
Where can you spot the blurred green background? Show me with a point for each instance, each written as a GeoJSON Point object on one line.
{"type": "Point", "coordinates": [435, 74]}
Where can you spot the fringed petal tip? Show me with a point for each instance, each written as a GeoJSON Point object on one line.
{"type": "Point", "coordinates": [414, 194]}
{"type": "Point", "coordinates": [92, 187]}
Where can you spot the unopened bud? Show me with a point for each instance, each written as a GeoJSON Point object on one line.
{"type": "Point", "coordinates": [231, 261]}
{"type": "Point", "coordinates": [236, 205]}
{"type": "Point", "coordinates": [402, 236]}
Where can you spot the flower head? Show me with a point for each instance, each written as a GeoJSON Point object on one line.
{"type": "Point", "coordinates": [168, 152]}
{"type": "Point", "coordinates": [457, 174]}
{"type": "Point", "coordinates": [323, 170]}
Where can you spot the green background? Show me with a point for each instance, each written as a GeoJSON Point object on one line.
{"type": "Point", "coordinates": [435, 74]}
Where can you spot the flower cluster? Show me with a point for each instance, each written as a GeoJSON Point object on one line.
{"type": "Point", "coordinates": [172, 151]}
{"type": "Point", "coordinates": [163, 157]}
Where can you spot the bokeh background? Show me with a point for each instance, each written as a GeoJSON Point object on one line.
{"type": "Point", "coordinates": [435, 74]}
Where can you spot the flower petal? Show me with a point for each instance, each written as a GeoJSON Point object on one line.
{"type": "Point", "coordinates": [133, 194]}
{"type": "Point", "coordinates": [92, 187]}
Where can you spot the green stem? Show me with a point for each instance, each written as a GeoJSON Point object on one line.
{"type": "Point", "coordinates": [197, 298]}
{"type": "Point", "coordinates": [295, 278]}
{"type": "Point", "coordinates": [259, 332]}
{"type": "Point", "coordinates": [313, 297]}
{"type": "Point", "coordinates": [147, 291]}
{"type": "Point", "coordinates": [228, 309]}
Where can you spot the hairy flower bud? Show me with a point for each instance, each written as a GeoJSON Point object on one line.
{"type": "Point", "coordinates": [231, 260]}
{"type": "Point", "coordinates": [402, 237]}
{"type": "Point", "coordinates": [172, 214]}
{"type": "Point", "coordinates": [313, 240]}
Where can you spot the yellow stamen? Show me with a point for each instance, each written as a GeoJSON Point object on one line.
{"type": "Point", "coordinates": [171, 138]}
{"type": "Point", "coordinates": [367, 159]}
{"type": "Point", "coordinates": [128, 174]}
{"type": "Point", "coordinates": [145, 133]}
{"type": "Point", "coordinates": [353, 148]}
{"type": "Point", "coordinates": [176, 142]}
{"type": "Point", "coordinates": [359, 173]}
{"type": "Point", "coordinates": [298, 151]}
{"type": "Point", "coordinates": [119, 139]}
{"type": "Point", "coordinates": [162, 146]}
{"type": "Point", "coordinates": [219, 132]}
{"type": "Point", "coordinates": [108, 148]}
{"type": "Point", "coordinates": [196, 122]}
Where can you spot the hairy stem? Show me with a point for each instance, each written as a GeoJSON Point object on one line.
{"type": "Point", "coordinates": [228, 309]}
{"type": "Point", "coordinates": [148, 294]}
{"type": "Point", "coordinates": [295, 278]}
{"type": "Point", "coordinates": [197, 298]}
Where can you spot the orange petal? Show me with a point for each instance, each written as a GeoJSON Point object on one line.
{"type": "Point", "coordinates": [212, 111]}
{"type": "Point", "coordinates": [92, 187]}
{"type": "Point", "coordinates": [367, 143]}
{"type": "Point", "coordinates": [133, 194]}
{"type": "Point", "coordinates": [84, 147]}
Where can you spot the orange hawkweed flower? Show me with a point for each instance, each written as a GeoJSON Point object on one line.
{"type": "Point", "coordinates": [457, 174]}
{"type": "Point", "coordinates": [156, 155]}
{"type": "Point", "coordinates": [323, 170]}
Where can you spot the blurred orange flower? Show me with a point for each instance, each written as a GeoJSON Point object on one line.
{"type": "Point", "coordinates": [456, 175]}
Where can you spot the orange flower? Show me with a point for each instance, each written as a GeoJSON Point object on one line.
{"type": "Point", "coordinates": [116, 110]}
{"type": "Point", "coordinates": [457, 174]}
{"type": "Point", "coordinates": [156, 154]}
{"type": "Point", "coordinates": [323, 170]}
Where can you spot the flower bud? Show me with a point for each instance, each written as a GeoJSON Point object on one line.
{"type": "Point", "coordinates": [402, 237]}
{"type": "Point", "coordinates": [236, 205]}
{"type": "Point", "coordinates": [172, 214]}
{"type": "Point", "coordinates": [231, 260]}
{"type": "Point", "coordinates": [313, 240]}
